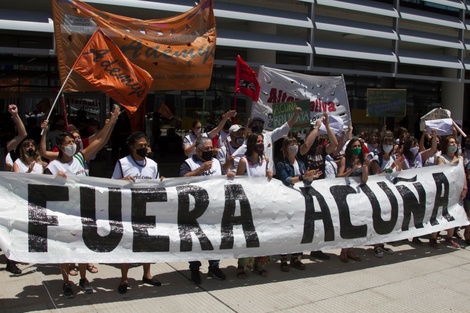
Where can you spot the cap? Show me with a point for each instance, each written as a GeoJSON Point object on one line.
{"type": "Point", "coordinates": [254, 119]}
{"type": "Point", "coordinates": [234, 128]}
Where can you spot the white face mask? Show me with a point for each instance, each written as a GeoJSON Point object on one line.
{"type": "Point", "coordinates": [293, 149]}
{"type": "Point", "coordinates": [452, 149]}
{"type": "Point", "coordinates": [70, 150]}
{"type": "Point", "coordinates": [387, 148]}
{"type": "Point", "coordinates": [414, 150]}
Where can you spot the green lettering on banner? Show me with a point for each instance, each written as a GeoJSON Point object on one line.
{"type": "Point", "coordinates": [283, 111]}
{"type": "Point", "coordinates": [386, 102]}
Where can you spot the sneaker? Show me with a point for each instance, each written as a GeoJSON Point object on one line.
{"type": "Point", "coordinates": [85, 286]}
{"type": "Point", "coordinates": [196, 276]}
{"type": "Point", "coordinates": [215, 272]}
{"type": "Point", "coordinates": [386, 250]}
{"type": "Point", "coordinates": [67, 290]}
{"type": "Point", "coordinates": [377, 251]}
{"type": "Point", "coordinates": [13, 268]}
{"type": "Point", "coordinates": [319, 255]}
{"type": "Point", "coordinates": [433, 243]}
{"type": "Point", "coordinates": [452, 243]}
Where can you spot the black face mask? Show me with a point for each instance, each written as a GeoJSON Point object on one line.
{"type": "Point", "coordinates": [142, 152]}
{"type": "Point", "coordinates": [257, 129]}
{"type": "Point", "coordinates": [259, 148]}
{"type": "Point", "coordinates": [207, 155]}
{"type": "Point", "coordinates": [30, 152]}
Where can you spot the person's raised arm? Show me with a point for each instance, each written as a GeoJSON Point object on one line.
{"type": "Point", "coordinates": [50, 155]}
{"type": "Point", "coordinates": [310, 138]}
{"type": "Point", "coordinates": [331, 135]}
{"type": "Point", "coordinates": [12, 144]}
{"type": "Point", "coordinates": [294, 117]}
{"type": "Point", "coordinates": [224, 119]}
{"type": "Point", "coordinates": [100, 139]}
{"type": "Point", "coordinates": [426, 154]}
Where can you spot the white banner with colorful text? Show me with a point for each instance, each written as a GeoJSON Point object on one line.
{"type": "Point", "coordinates": [327, 94]}
{"type": "Point", "coordinates": [47, 219]}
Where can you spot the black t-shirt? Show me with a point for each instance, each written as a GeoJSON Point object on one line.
{"type": "Point", "coordinates": [315, 158]}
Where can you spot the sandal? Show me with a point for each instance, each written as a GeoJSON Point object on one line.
{"type": "Point", "coordinates": [263, 273]}
{"type": "Point", "coordinates": [241, 273]}
{"type": "Point", "coordinates": [92, 269]}
{"type": "Point", "coordinates": [284, 265]}
{"type": "Point", "coordinates": [73, 270]}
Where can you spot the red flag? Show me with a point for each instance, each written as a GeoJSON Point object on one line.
{"type": "Point", "coordinates": [103, 65]}
{"type": "Point", "coordinates": [246, 81]}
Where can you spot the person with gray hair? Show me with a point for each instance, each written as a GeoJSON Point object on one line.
{"type": "Point", "coordinates": [202, 163]}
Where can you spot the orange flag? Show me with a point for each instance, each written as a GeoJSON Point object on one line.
{"type": "Point", "coordinates": [103, 65]}
{"type": "Point", "coordinates": [165, 111]}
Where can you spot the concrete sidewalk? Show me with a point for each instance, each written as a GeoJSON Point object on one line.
{"type": "Point", "coordinates": [415, 278]}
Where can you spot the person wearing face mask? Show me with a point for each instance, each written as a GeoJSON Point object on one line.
{"type": "Point", "coordinates": [189, 141]}
{"type": "Point", "coordinates": [29, 160]}
{"type": "Point", "coordinates": [202, 163]}
{"type": "Point", "coordinates": [384, 160]}
{"type": "Point", "coordinates": [136, 167]}
{"type": "Point", "coordinates": [226, 154]}
{"type": "Point", "coordinates": [315, 152]}
{"type": "Point", "coordinates": [450, 156]}
{"type": "Point", "coordinates": [253, 164]}
{"type": "Point", "coordinates": [290, 171]}
{"type": "Point", "coordinates": [353, 164]}
{"type": "Point", "coordinates": [57, 127]}
{"type": "Point", "coordinates": [411, 158]}
{"type": "Point", "coordinates": [69, 162]}
{"type": "Point", "coordinates": [256, 126]}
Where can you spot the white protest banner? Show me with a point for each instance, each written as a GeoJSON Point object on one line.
{"type": "Point", "coordinates": [336, 124]}
{"type": "Point", "coordinates": [47, 219]}
{"type": "Point", "coordinates": [325, 93]}
{"type": "Point", "coordinates": [442, 126]}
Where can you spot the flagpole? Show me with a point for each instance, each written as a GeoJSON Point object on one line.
{"type": "Point", "coordinates": [57, 97]}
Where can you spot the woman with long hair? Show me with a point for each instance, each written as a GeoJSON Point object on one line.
{"type": "Point", "coordinates": [29, 160]}
{"type": "Point", "coordinates": [290, 171]}
{"type": "Point", "coordinates": [254, 164]}
{"type": "Point", "coordinates": [353, 163]}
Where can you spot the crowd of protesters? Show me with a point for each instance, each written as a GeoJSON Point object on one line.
{"type": "Point", "coordinates": [231, 149]}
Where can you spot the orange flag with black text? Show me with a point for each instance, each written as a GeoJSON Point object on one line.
{"type": "Point", "coordinates": [246, 80]}
{"type": "Point", "coordinates": [103, 64]}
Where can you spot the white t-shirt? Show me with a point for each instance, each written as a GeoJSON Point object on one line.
{"type": "Point", "coordinates": [224, 153]}
{"type": "Point", "coordinates": [194, 164]}
{"type": "Point", "coordinates": [223, 136]}
{"type": "Point", "coordinates": [385, 163]}
{"type": "Point", "coordinates": [139, 170]}
{"type": "Point", "coordinates": [255, 170]}
{"type": "Point", "coordinates": [37, 168]}
{"type": "Point", "coordinates": [74, 167]}
{"type": "Point", "coordinates": [269, 137]}
{"type": "Point", "coordinates": [331, 168]}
